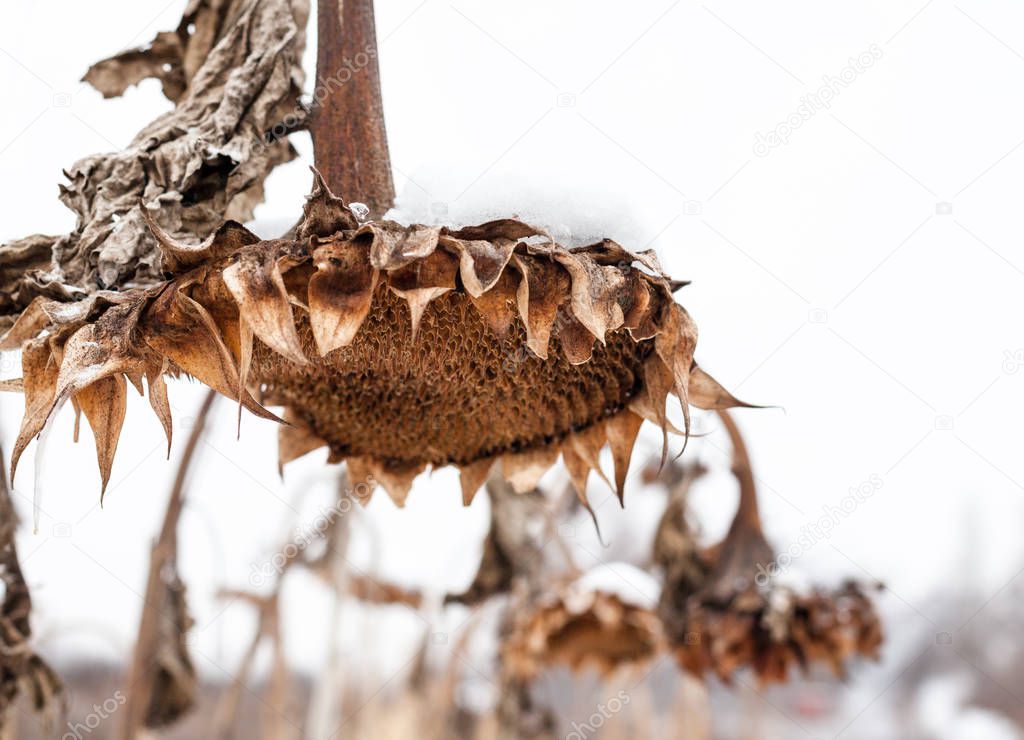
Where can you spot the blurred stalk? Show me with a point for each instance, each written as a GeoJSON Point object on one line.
{"type": "Point", "coordinates": [326, 706]}
{"type": "Point", "coordinates": [163, 560]}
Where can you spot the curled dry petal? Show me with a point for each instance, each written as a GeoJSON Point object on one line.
{"type": "Point", "coordinates": [256, 284]}
{"type": "Point", "coordinates": [340, 293]}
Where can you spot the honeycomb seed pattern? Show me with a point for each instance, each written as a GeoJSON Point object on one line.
{"type": "Point", "coordinates": [456, 394]}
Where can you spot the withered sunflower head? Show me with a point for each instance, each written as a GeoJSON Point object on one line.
{"type": "Point", "coordinates": [738, 617]}
{"type": "Point", "coordinates": [771, 630]}
{"type": "Point", "coordinates": [581, 629]}
{"type": "Point", "coordinates": [396, 347]}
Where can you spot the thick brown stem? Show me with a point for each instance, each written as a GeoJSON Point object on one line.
{"type": "Point", "coordinates": [163, 554]}
{"type": "Point", "coordinates": [350, 143]}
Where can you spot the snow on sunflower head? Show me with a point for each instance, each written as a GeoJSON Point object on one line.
{"type": "Point", "coordinates": [396, 347]}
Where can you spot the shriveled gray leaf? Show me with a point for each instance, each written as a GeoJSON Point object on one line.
{"type": "Point", "coordinates": [233, 69]}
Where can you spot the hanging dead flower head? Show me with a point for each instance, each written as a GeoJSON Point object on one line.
{"type": "Point", "coordinates": [581, 628]}
{"type": "Point", "coordinates": [740, 618]}
{"type": "Point", "coordinates": [396, 347]}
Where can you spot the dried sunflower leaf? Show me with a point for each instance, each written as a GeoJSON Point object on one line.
{"type": "Point", "coordinates": [200, 163]}
{"type": "Point", "coordinates": [27, 326]}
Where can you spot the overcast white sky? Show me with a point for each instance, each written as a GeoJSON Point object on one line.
{"type": "Point", "coordinates": [866, 275]}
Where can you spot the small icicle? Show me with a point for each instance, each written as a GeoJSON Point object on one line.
{"type": "Point", "coordinates": [40, 467]}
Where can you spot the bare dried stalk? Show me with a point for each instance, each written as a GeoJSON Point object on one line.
{"type": "Point", "coordinates": [21, 670]}
{"type": "Point", "coordinates": [158, 609]}
{"type": "Point", "coordinates": [349, 139]}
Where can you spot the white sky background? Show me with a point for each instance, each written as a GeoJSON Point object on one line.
{"type": "Point", "coordinates": [829, 278]}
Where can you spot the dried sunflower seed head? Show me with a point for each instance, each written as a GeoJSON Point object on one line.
{"type": "Point", "coordinates": [773, 630]}
{"type": "Point", "coordinates": [738, 617]}
{"type": "Point", "coordinates": [580, 630]}
{"type": "Point", "coordinates": [398, 347]}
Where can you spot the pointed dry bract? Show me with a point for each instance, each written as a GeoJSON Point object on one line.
{"type": "Point", "coordinates": [104, 404]}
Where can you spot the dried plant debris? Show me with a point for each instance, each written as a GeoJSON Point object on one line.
{"type": "Point", "coordinates": [173, 676]}
{"type": "Point", "coordinates": [397, 347]}
{"type": "Point", "coordinates": [233, 70]}
{"type": "Point", "coordinates": [21, 669]}
{"type": "Point", "coordinates": [514, 546]}
{"type": "Point", "coordinates": [773, 630]}
{"type": "Point", "coordinates": [580, 628]}
{"type": "Point", "coordinates": [676, 552]}
{"type": "Point", "coordinates": [739, 617]}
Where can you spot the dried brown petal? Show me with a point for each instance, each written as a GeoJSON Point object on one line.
{"type": "Point", "coordinates": [295, 439]}
{"type": "Point", "coordinates": [481, 262]}
{"type": "Point", "coordinates": [105, 404]}
{"type": "Point", "coordinates": [541, 290]}
{"type": "Point", "coordinates": [622, 430]}
{"type": "Point", "coordinates": [393, 245]}
{"type": "Point", "coordinates": [40, 386]}
{"type": "Point", "coordinates": [255, 282]}
{"type": "Point", "coordinates": [158, 400]}
{"type": "Point", "coordinates": [324, 213]}
{"type": "Point", "coordinates": [340, 293]}
{"type": "Point", "coordinates": [423, 281]}
{"type": "Point", "coordinates": [472, 478]}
